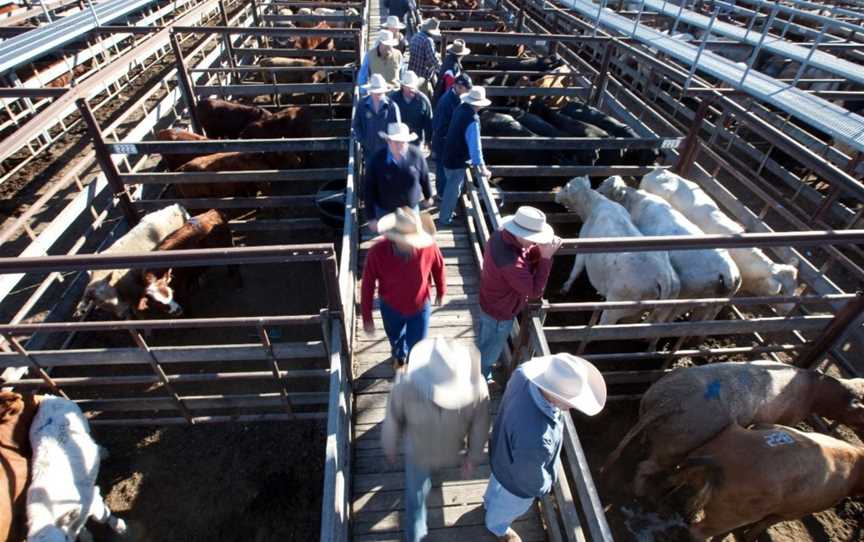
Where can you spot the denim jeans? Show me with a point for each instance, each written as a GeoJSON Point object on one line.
{"type": "Point", "coordinates": [491, 337]}
{"type": "Point", "coordinates": [418, 482]}
{"type": "Point", "coordinates": [404, 331]}
{"type": "Point", "coordinates": [502, 507]}
{"type": "Point", "coordinates": [452, 191]}
{"type": "Point", "coordinates": [440, 177]}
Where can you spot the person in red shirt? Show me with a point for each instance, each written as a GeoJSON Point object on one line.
{"type": "Point", "coordinates": [402, 265]}
{"type": "Point", "coordinates": [516, 265]}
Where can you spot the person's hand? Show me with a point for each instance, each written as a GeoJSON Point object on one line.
{"type": "Point", "coordinates": [549, 249]}
{"type": "Point", "coordinates": [486, 173]}
{"type": "Point", "coordinates": [467, 469]}
{"type": "Point", "coordinates": [369, 328]}
{"type": "Point", "coordinates": [439, 300]}
{"type": "Point", "coordinates": [427, 152]}
{"type": "Point", "coordinates": [373, 225]}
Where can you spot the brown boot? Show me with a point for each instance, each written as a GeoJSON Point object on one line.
{"type": "Point", "coordinates": [510, 536]}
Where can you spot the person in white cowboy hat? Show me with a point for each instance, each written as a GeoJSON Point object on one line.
{"type": "Point", "coordinates": [414, 106]}
{"type": "Point", "coordinates": [374, 113]}
{"type": "Point", "coordinates": [396, 176]}
{"type": "Point", "coordinates": [516, 265]}
{"type": "Point", "coordinates": [395, 26]}
{"type": "Point", "coordinates": [451, 68]}
{"type": "Point", "coordinates": [423, 57]}
{"type": "Point", "coordinates": [462, 147]}
{"type": "Point", "coordinates": [439, 401]}
{"type": "Point", "coordinates": [527, 435]}
{"type": "Point", "coordinates": [402, 265]}
{"type": "Point", "coordinates": [383, 58]}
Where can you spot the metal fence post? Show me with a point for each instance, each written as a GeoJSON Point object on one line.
{"type": "Point", "coordinates": [109, 168]}
{"type": "Point", "coordinates": [833, 332]}
{"type": "Point", "coordinates": [598, 87]}
{"type": "Point", "coordinates": [691, 144]}
{"type": "Point", "coordinates": [186, 85]}
{"type": "Point", "coordinates": [758, 47]}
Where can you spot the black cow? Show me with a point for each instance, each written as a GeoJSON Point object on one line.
{"type": "Point", "coordinates": [575, 128]}
{"type": "Point", "coordinates": [616, 128]}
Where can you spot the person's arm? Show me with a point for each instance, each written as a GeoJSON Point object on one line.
{"type": "Point", "coordinates": [439, 276]}
{"type": "Point", "coordinates": [478, 433]}
{"type": "Point", "coordinates": [472, 137]}
{"type": "Point", "coordinates": [528, 471]}
{"type": "Point", "coordinates": [525, 282]}
{"type": "Point", "coordinates": [424, 177]}
{"type": "Point", "coordinates": [427, 122]}
{"type": "Point", "coordinates": [391, 430]}
{"type": "Point", "coordinates": [367, 287]}
{"type": "Point", "coordinates": [371, 196]}
{"type": "Point", "coordinates": [357, 127]}
{"type": "Point", "coordinates": [434, 54]}
{"type": "Point", "coordinates": [363, 74]}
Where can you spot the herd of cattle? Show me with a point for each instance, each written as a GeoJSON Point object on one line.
{"type": "Point", "coordinates": [50, 467]}
{"type": "Point", "coordinates": [665, 204]}
{"type": "Point", "coordinates": [716, 440]}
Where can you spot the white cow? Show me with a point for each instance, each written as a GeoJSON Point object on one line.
{"type": "Point", "coordinates": [703, 273]}
{"type": "Point", "coordinates": [106, 286]}
{"type": "Point", "coordinates": [760, 275]}
{"type": "Point", "coordinates": [63, 491]}
{"type": "Point", "coordinates": [617, 276]}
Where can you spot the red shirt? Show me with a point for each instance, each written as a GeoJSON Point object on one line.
{"type": "Point", "coordinates": [403, 282]}
{"type": "Point", "coordinates": [511, 276]}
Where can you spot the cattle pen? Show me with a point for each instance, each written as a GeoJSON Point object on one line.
{"type": "Point", "coordinates": [757, 103]}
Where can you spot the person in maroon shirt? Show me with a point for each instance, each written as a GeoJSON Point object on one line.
{"type": "Point", "coordinates": [401, 265]}
{"type": "Point", "coordinates": [516, 265]}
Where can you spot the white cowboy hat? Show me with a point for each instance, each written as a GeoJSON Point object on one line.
{"type": "Point", "coordinates": [393, 22]}
{"type": "Point", "coordinates": [398, 131]}
{"type": "Point", "coordinates": [530, 224]}
{"type": "Point", "coordinates": [476, 96]}
{"type": "Point", "coordinates": [377, 84]}
{"type": "Point", "coordinates": [458, 48]}
{"type": "Point", "coordinates": [569, 379]}
{"type": "Point", "coordinates": [406, 226]}
{"type": "Point", "coordinates": [446, 372]}
{"type": "Point", "coordinates": [385, 37]}
{"type": "Point", "coordinates": [409, 79]}
{"type": "Point", "coordinates": [431, 27]}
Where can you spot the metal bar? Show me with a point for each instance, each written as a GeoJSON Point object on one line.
{"type": "Point", "coordinates": [278, 88]}
{"type": "Point", "coordinates": [39, 92]}
{"type": "Point", "coordinates": [186, 85]}
{"type": "Point", "coordinates": [692, 143]}
{"type": "Point", "coordinates": [230, 145]}
{"type": "Point", "coordinates": [556, 143]}
{"type": "Point", "coordinates": [266, 31]}
{"type": "Point", "coordinates": [273, 363]}
{"type": "Point", "coordinates": [35, 366]}
{"type": "Point", "coordinates": [157, 368]}
{"type": "Point", "coordinates": [109, 168]}
{"type": "Point", "coordinates": [695, 302]}
{"type": "Point", "coordinates": [275, 175]}
{"type": "Point", "coordinates": [833, 332]}
{"type": "Point", "coordinates": [185, 323]}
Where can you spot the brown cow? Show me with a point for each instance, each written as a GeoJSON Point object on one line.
{"type": "Point", "coordinates": [222, 119]}
{"type": "Point", "coordinates": [316, 42]}
{"type": "Point", "coordinates": [289, 76]}
{"type": "Point", "coordinates": [16, 417]}
{"type": "Point", "coordinates": [207, 230]}
{"type": "Point", "coordinates": [232, 161]}
{"type": "Point", "coordinates": [750, 479]}
{"type": "Point", "coordinates": [174, 161]}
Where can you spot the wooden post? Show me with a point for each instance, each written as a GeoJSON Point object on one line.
{"type": "Point", "coordinates": [834, 331]}
{"type": "Point", "coordinates": [186, 85]}
{"type": "Point", "coordinates": [598, 87]}
{"type": "Point", "coordinates": [691, 144]}
{"type": "Point", "coordinates": [154, 364]}
{"type": "Point", "coordinates": [103, 156]}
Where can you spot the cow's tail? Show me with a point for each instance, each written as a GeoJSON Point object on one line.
{"type": "Point", "coordinates": [630, 448]}
{"type": "Point", "coordinates": [692, 484]}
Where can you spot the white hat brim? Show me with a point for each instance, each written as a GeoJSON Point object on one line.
{"type": "Point", "coordinates": [404, 139]}
{"type": "Point", "coordinates": [420, 239]}
{"type": "Point", "coordinates": [433, 32]}
{"type": "Point", "coordinates": [588, 401]}
{"type": "Point", "coordinates": [455, 394]}
{"type": "Point", "coordinates": [541, 237]}
{"type": "Point", "coordinates": [391, 42]}
{"type": "Point", "coordinates": [400, 25]}
{"type": "Point", "coordinates": [465, 51]}
{"type": "Point", "coordinates": [375, 90]}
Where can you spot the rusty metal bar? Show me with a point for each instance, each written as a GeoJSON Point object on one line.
{"type": "Point", "coordinates": [157, 368]}
{"type": "Point", "coordinates": [273, 363]}
{"type": "Point", "coordinates": [109, 168]}
{"type": "Point", "coordinates": [834, 331]}
{"type": "Point", "coordinates": [692, 142]}
{"type": "Point", "coordinates": [34, 365]}
{"type": "Point", "coordinates": [186, 86]}
{"type": "Point", "coordinates": [598, 86]}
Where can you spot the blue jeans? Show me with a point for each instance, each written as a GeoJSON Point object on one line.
{"type": "Point", "coordinates": [418, 482]}
{"type": "Point", "coordinates": [502, 507]}
{"type": "Point", "coordinates": [440, 176]}
{"type": "Point", "coordinates": [452, 191]}
{"type": "Point", "coordinates": [491, 337]}
{"type": "Point", "coordinates": [404, 331]}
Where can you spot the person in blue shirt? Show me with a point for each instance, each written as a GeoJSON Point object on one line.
{"type": "Point", "coordinates": [462, 146]}
{"type": "Point", "coordinates": [528, 432]}
{"type": "Point", "coordinates": [396, 176]}
{"type": "Point", "coordinates": [373, 115]}
{"type": "Point", "coordinates": [444, 110]}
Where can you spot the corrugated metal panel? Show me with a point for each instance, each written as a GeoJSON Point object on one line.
{"type": "Point", "coordinates": [35, 43]}
{"type": "Point", "coordinates": [834, 120]}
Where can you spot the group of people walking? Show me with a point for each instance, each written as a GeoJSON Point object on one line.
{"type": "Point", "coordinates": [438, 409]}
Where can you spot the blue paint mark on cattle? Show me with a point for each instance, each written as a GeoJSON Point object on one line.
{"type": "Point", "coordinates": [745, 378]}
{"type": "Point", "coordinates": [713, 390]}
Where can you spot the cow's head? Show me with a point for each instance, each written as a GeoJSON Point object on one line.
{"type": "Point", "coordinates": [104, 296]}
{"type": "Point", "coordinates": [784, 279]}
{"type": "Point", "coordinates": [158, 294]}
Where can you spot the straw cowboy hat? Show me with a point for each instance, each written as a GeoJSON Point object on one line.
{"type": "Point", "coordinates": [569, 379]}
{"type": "Point", "coordinates": [405, 226]}
{"type": "Point", "coordinates": [458, 48]}
{"type": "Point", "coordinates": [476, 96]}
{"type": "Point", "coordinates": [446, 372]}
{"type": "Point", "coordinates": [377, 84]}
{"type": "Point", "coordinates": [385, 37]}
{"type": "Point", "coordinates": [431, 27]}
{"type": "Point", "coordinates": [530, 224]}
{"type": "Point", "coordinates": [393, 22]}
{"type": "Point", "coordinates": [409, 79]}
{"type": "Point", "coordinates": [398, 131]}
